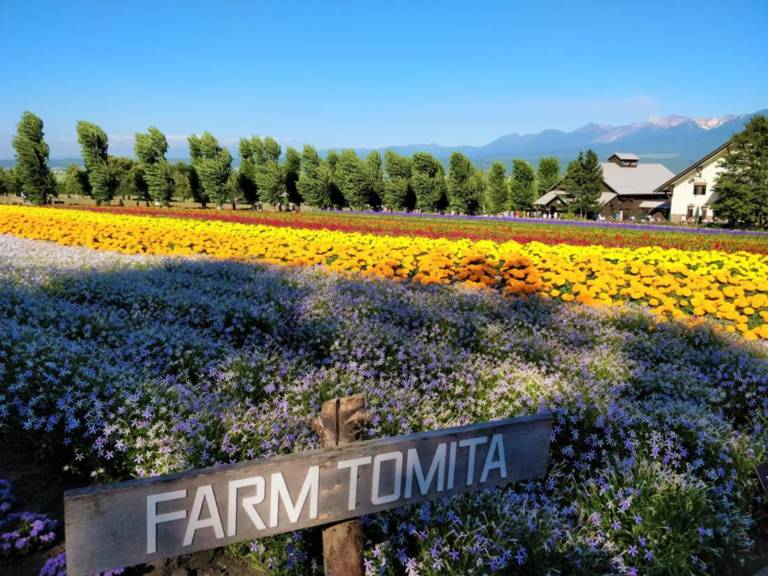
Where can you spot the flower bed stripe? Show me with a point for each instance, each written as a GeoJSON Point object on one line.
{"type": "Point", "coordinates": [731, 288]}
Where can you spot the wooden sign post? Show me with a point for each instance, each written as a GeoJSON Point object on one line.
{"type": "Point", "coordinates": [340, 423]}
{"type": "Point", "coordinates": [145, 520]}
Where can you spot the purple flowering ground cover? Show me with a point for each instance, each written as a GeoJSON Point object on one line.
{"type": "Point", "coordinates": [119, 367]}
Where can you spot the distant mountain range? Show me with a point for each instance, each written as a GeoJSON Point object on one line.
{"type": "Point", "coordinates": [675, 141]}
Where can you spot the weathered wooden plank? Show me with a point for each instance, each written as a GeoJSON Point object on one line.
{"type": "Point", "coordinates": [149, 519]}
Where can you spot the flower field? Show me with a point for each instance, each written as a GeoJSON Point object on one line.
{"type": "Point", "coordinates": [120, 366]}
{"type": "Point", "coordinates": [498, 229]}
{"type": "Point", "coordinates": [729, 288]}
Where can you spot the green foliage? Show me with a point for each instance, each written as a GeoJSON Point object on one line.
{"type": "Point", "coordinates": [583, 182]}
{"type": "Point", "coordinates": [270, 175]}
{"type": "Point", "coordinates": [497, 197]}
{"type": "Point", "coordinates": [247, 187]}
{"type": "Point", "coordinates": [122, 170]}
{"type": "Point", "coordinates": [291, 170]}
{"type": "Point", "coordinates": [9, 184]}
{"type": "Point", "coordinates": [75, 181]}
{"type": "Point", "coordinates": [186, 184]}
{"type": "Point", "coordinates": [150, 150]}
{"type": "Point", "coordinates": [37, 181]}
{"type": "Point", "coordinates": [523, 191]}
{"type": "Point", "coordinates": [478, 187]}
{"type": "Point", "coordinates": [742, 187]}
{"type": "Point", "coordinates": [375, 174]}
{"type": "Point", "coordinates": [352, 179]}
{"type": "Point", "coordinates": [94, 146]}
{"type": "Point", "coordinates": [428, 183]}
{"type": "Point", "coordinates": [5, 182]}
{"type": "Point", "coordinates": [548, 174]}
{"type": "Point", "coordinates": [398, 193]}
{"type": "Point", "coordinates": [213, 165]}
{"type": "Point", "coordinates": [140, 186]}
{"type": "Point", "coordinates": [310, 186]}
{"type": "Point", "coordinates": [675, 513]}
{"type": "Point", "coordinates": [465, 185]}
{"type": "Point", "coordinates": [316, 182]}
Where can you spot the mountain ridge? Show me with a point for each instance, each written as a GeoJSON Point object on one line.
{"type": "Point", "coordinates": [675, 141]}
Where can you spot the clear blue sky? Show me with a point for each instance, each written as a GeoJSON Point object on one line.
{"type": "Point", "coordinates": [340, 74]}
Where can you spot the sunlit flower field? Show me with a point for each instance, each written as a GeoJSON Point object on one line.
{"type": "Point", "coordinates": [137, 346]}
{"type": "Point", "coordinates": [729, 288]}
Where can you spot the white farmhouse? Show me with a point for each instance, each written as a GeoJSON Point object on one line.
{"type": "Point", "coordinates": [692, 191]}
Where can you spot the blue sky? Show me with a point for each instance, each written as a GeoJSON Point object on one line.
{"type": "Point", "coordinates": [340, 74]}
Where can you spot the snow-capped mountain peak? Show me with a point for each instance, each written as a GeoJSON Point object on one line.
{"type": "Point", "coordinates": [709, 123]}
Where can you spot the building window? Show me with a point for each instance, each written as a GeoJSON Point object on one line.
{"type": "Point", "coordinates": [704, 213]}
{"type": "Point", "coordinates": [689, 212]}
{"type": "Point", "coordinates": [699, 189]}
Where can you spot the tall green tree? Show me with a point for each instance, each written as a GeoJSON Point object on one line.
{"type": "Point", "coordinates": [213, 165]}
{"type": "Point", "coordinates": [479, 187]}
{"type": "Point", "coordinates": [150, 149]}
{"type": "Point", "coordinates": [122, 172]}
{"type": "Point", "coordinates": [37, 181]}
{"type": "Point", "coordinates": [291, 171]}
{"type": "Point", "coordinates": [498, 189]}
{"type": "Point", "coordinates": [548, 174]}
{"type": "Point", "coordinates": [6, 187]}
{"type": "Point", "coordinates": [270, 175]}
{"type": "Point", "coordinates": [742, 187]}
{"type": "Point", "coordinates": [140, 185]}
{"type": "Point", "coordinates": [75, 181]}
{"type": "Point", "coordinates": [310, 185]}
{"type": "Point", "coordinates": [317, 179]}
{"type": "Point", "coordinates": [352, 179]}
{"type": "Point", "coordinates": [398, 193]}
{"type": "Point", "coordinates": [583, 182]}
{"type": "Point", "coordinates": [249, 149]}
{"type": "Point", "coordinates": [375, 175]}
{"type": "Point", "coordinates": [9, 184]}
{"type": "Point", "coordinates": [186, 185]}
{"type": "Point", "coordinates": [465, 186]}
{"type": "Point", "coordinates": [428, 183]}
{"type": "Point", "coordinates": [94, 146]}
{"type": "Point", "coordinates": [523, 191]}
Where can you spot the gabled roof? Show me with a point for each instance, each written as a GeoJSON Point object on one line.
{"type": "Point", "coordinates": [639, 180]}
{"type": "Point", "coordinates": [606, 197]}
{"type": "Point", "coordinates": [642, 180]}
{"type": "Point", "coordinates": [625, 156]}
{"type": "Point", "coordinates": [714, 156]}
{"type": "Point", "coordinates": [549, 197]}
{"type": "Point", "coordinates": [564, 197]}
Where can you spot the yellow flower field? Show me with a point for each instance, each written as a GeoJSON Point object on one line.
{"type": "Point", "coordinates": [731, 288]}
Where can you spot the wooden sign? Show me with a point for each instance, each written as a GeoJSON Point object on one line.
{"type": "Point", "coordinates": [144, 520]}
{"type": "Point", "coordinates": [762, 474]}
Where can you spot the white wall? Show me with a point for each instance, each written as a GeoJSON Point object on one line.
{"type": "Point", "coordinates": [682, 193]}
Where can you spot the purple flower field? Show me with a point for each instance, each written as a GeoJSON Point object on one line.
{"type": "Point", "coordinates": [124, 367]}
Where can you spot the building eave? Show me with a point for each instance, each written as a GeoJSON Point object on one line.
{"type": "Point", "coordinates": [702, 161]}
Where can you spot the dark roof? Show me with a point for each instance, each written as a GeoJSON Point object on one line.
{"type": "Point", "coordinates": [682, 174]}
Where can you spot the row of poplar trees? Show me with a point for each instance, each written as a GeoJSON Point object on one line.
{"type": "Point", "coordinates": [267, 176]}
